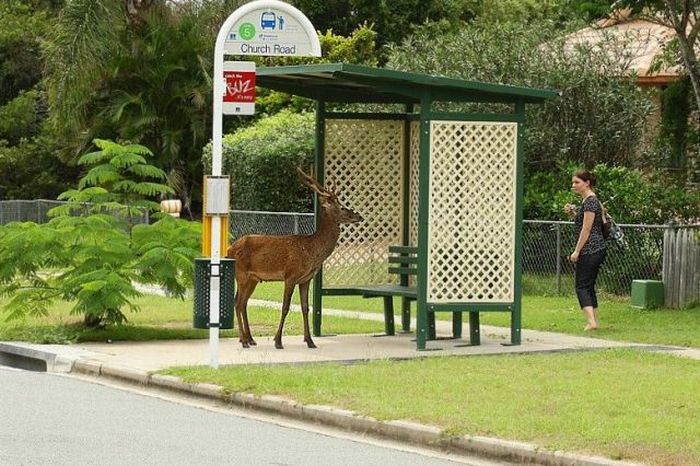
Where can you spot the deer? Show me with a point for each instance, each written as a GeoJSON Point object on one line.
{"type": "Point", "coordinates": [292, 259]}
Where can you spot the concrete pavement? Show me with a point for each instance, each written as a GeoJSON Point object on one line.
{"type": "Point", "coordinates": [137, 361]}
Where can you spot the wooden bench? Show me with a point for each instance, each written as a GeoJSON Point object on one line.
{"type": "Point", "coordinates": [403, 261]}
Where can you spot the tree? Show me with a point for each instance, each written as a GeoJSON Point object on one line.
{"type": "Point", "coordinates": [139, 71]}
{"type": "Point", "coordinates": [392, 20]}
{"type": "Point", "coordinates": [94, 258]}
{"type": "Point", "coordinates": [29, 166]}
{"type": "Point", "coordinates": [20, 60]}
{"type": "Point", "coordinates": [682, 18]}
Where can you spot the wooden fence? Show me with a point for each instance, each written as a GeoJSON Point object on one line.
{"type": "Point", "coordinates": [681, 267]}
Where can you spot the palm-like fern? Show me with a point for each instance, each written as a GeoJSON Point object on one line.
{"type": "Point", "coordinates": [94, 258]}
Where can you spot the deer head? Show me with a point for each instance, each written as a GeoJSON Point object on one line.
{"type": "Point", "coordinates": [329, 200]}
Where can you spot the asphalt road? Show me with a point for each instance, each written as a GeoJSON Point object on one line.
{"type": "Point", "coordinates": [50, 419]}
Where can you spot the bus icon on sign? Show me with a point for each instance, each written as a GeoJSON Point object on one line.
{"type": "Point", "coordinates": [268, 20]}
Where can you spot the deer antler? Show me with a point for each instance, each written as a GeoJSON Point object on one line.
{"type": "Point", "coordinates": [331, 185]}
{"type": "Point", "coordinates": [311, 182]}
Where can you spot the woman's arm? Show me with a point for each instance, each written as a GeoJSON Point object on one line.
{"type": "Point", "coordinates": [588, 218]}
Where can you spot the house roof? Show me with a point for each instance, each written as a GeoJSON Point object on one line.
{"type": "Point", "coordinates": [341, 82]}
{"type": "Point", "coordinates": [644, 41]}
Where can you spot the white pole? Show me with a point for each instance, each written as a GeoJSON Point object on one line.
{"type": "Point", "coordinates": [217, 123]}
{"type": "Point", "coordinates": [214, 292]}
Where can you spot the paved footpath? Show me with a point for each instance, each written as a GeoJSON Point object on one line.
{"type": "Point", "coordinates": [137, 361]}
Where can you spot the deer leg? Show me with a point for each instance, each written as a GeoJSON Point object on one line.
{"type": "Point", "coordinates": [287, 299]}
{"type": "Point", "coordinates": [304, 295]}
{"type": "Point", "coordinates": [237, 306]}
{"type": "Point", "coordinates": [248, 334]}
{"type": "Point", "coordinates": [245, 289]}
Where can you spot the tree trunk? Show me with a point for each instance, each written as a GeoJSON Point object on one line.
{"type": "Point", "coordinates": [92, 321]}
{"type": "Point", "coordinates": [691, 64]}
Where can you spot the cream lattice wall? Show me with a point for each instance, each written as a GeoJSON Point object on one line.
{"type": "Point", "coordinates": [471, 238]}
{"type": "Point", "coordinates": [364, 159]}
{"type": "Point", "coordinates": [413, 190]}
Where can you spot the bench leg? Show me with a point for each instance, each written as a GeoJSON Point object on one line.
{"type": "Point", "coordinates": [389, 315]}
{"type": "Point", "coordinates": [474, 333]}
{"type": "Point", "coordinates": [515, 326]}
{"type": "Point", "coordinates": [431, 326]}
{"type": "Point", "coordinates": [421, 326]}
{"type": "Point", "coordinates": [405, 314]}
{"type": "Point", "coordinates": [457, 324]}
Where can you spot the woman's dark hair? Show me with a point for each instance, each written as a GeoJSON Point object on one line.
{"type": "Point", "coordinates": [585, 175]}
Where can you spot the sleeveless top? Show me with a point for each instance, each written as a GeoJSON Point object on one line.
{"type": "Point", "coordinates": [596, 242]}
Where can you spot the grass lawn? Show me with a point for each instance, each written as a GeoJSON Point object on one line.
{"type": "Point", "coordinates": [160, 319]}
{"type": "Point", "coordinates": [619, 321]}
{"type": "Point", "coordinates": [165, 318]}
{"type": "Point", "coordinates": [623, 404]}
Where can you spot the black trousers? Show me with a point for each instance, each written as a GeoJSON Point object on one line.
{"type": "Point", "coordinates": [587, 269]}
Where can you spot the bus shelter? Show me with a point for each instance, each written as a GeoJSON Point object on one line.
{"type": "Point", "coordinates": [448, 185]}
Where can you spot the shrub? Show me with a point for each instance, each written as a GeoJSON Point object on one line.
{"type": "Point", "coordinates": [631, 195]}
{"type": "Point", "coordinates": [262, 159]}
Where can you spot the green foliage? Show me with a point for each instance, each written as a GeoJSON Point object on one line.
{"type": "Point", "coordinates": [675, 110]}
{"type": "Point", "coordinates": [20, 65]}
{"type": "Point", "coordinates": [262, 160]}
{"type": "Point", "coordinates": [30, 170]}
{"type": "Point", "coordinates": [120, 182]}
{"type": "Point", "coordinates": [517, 11]}
{"type": "Point", "coordinates": [144, 90]}
{"type": "Point", "coordinates": [20, 117]}
{"type": "Point", "coordinates": [630, 195]}
{"type": "Point", "coordinates": [94, 259]}
{"type": "Point", "coordinates": [393, 20]}
{"type": "Point", "coordinates": [27, 149]}
{"type": "Point", "coordinates": [84, 39]}
{"type": "Point", "coordinates": [596, 119]}
{"type": "Point", "coordinates": [587, 10]}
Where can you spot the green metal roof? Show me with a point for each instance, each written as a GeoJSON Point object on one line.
{"type": "Point", "coordinates": [340, 82]}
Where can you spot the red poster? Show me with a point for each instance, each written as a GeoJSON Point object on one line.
{"type": "Point", "coordinates": [240, 86]}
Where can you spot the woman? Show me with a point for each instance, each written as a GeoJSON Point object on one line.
{"type": "Point", "coordinates": [590, 249]}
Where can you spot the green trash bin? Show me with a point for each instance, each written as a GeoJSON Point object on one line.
{"type": "Point", "coordinates": [201, 293]}
{"type": "Point", "coordinates": [647, 294]}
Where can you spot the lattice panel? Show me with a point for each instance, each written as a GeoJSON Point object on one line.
{"type": "Point", "coordinates": [363, 158]}
{"type": "Point", "coordinates": [471, 242]}
{"type": "Point", "coordinates": [413, 191]}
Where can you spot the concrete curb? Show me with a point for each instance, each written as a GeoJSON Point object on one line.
{"type": "Point", "coordinates": [30, 357]}
{"type": "Point", "coordinates": [403, 431]}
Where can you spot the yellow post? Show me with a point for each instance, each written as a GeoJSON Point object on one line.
{"type": "Point", "coordinates": [206, 228]}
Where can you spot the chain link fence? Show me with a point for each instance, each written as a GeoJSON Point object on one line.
{"type": "Point", "coordinates": [36, 211]}
{"type": "Point", "coordinates": [546, 246]}
{"type": "Point", "coordinates": [246, 222]}
{"type": "Point", "coordinates": [26, 211]}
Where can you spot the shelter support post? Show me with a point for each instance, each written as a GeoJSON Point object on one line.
{"type": "Point", "coordinates": [320, 170]}
{"type": "Point", "coordinates": [406, 209]}
{"type": "Point", "coordinates": [515, 318]}
{"type": "Point", "coordinates": [423, 222]}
